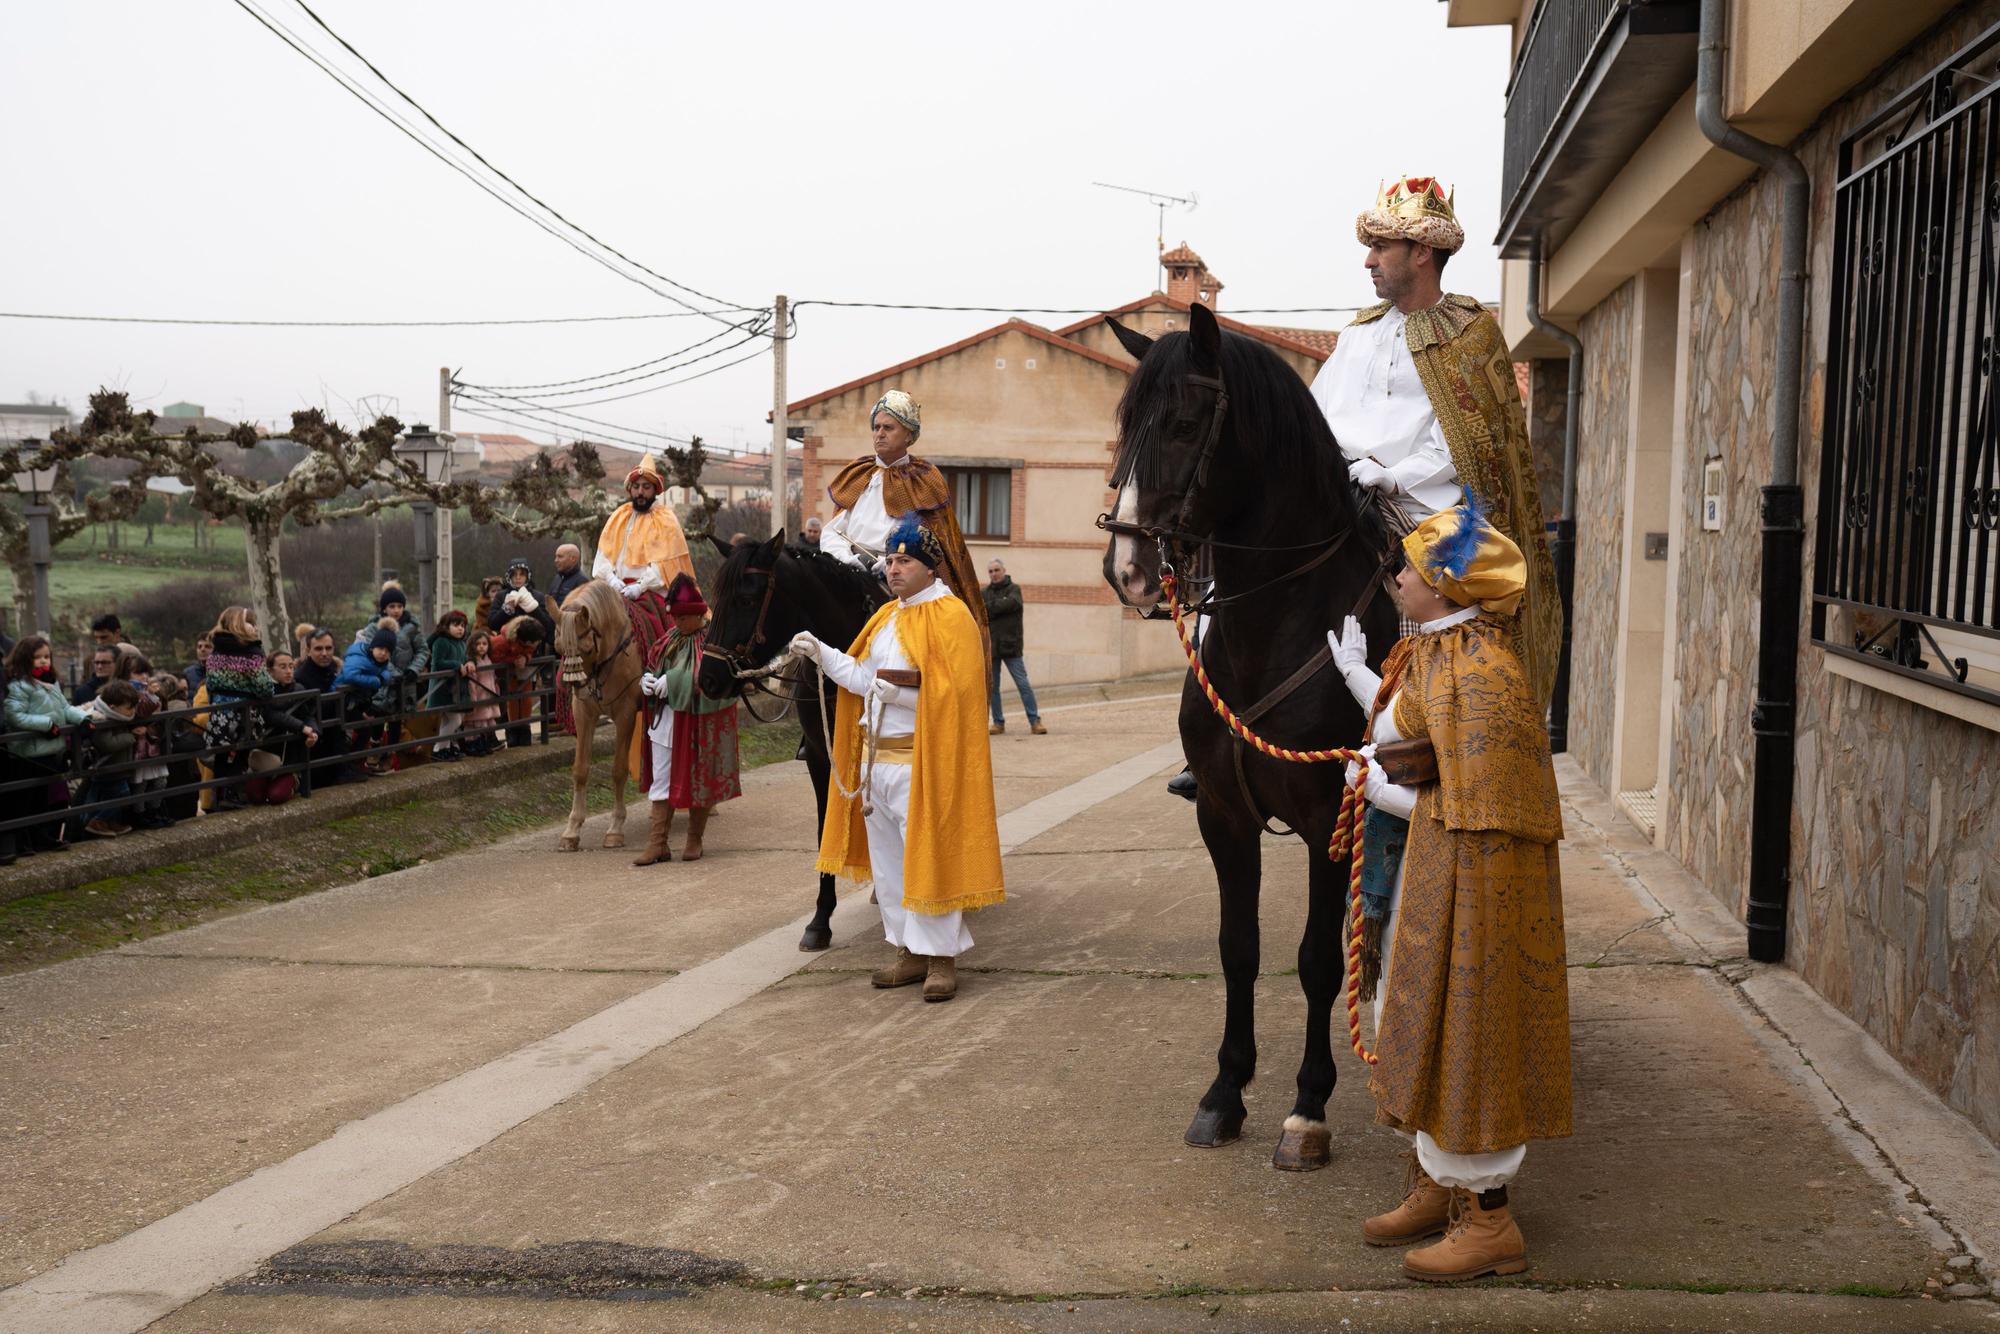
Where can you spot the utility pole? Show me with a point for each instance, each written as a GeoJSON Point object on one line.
{"type": "Point", "coordinates": [780, 436]}
{"type": "Point", "coordinates": [444, 573]}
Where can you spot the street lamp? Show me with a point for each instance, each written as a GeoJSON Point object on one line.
{"type": "Point", "coordinates": [35, 486]}
{"type": "Point", "coordinates": [430, 453]}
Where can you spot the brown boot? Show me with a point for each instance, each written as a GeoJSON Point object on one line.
{"type": "Point", "coordinates": [661, 819]}
{"type": "Point", "coordinates": [1482, 1240]}
{"type": "Point", "coordinates": [906, 969]}
{"type": "Point", "coordinates": [697, 822]}
{"type": "Point", "coordinates": [1425, 1210]}
{"type": "Point", "coordinates": [996, 729]}
{"type": "Point", "coordinates": [1037, 728]}
{"type": "Point", "coordinates": [941, 981]}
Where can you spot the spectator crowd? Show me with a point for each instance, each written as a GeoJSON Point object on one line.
{"type": "Point", "coordinates": [139, 746]}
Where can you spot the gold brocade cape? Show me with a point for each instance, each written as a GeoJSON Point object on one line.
{"type": "Point", "coordinates": [1462, 360]}
{"type": "Point", "coordinates": [923, 487]}
{"type": "Point", "coordinates": [951, 854]}
{"type": "Point", "coordinates": [1474, 1046]}
{"type": "Point", "coordinates": [657, 540]}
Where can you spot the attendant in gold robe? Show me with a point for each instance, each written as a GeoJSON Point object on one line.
{"type": "Point", "coordinates": [1473, 1011]}
{"type": "Point", "coordinates": [910, 744]}
{"type": "Point", "coordinates": [1421, 396]}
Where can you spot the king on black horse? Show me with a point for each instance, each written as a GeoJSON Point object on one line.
{"type": "Point", "coordinates": [1223, 454]}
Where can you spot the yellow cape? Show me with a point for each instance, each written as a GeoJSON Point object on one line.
{"type": "Point", "coordinates": [951, 856]}
{"type": "Point", "coordinates": [656, 540]}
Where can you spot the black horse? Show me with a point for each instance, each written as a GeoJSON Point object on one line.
{"type": "Point", "coordinates": [764, 594]}
{"type": "Point", "coordinates": [1223, 454]}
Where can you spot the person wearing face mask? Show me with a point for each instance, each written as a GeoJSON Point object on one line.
{"type": "Point", "coordinates": [910, 727]}
{"type": "Point", "coordinates": [35, 705]}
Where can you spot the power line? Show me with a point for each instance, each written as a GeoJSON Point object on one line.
{"type": "Point", "coordinates": [1072, 310]}
{"type": "Point", "coordinates": [299, 45]}
{"type": "Point", "coordinates": [755, 332]}
{"type": "Point", "coordinates": [686, 379]}
{"type": "Point", "coordinates": [353, 324]}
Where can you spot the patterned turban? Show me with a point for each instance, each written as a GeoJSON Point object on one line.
{"type": "Point", "coordinates": [903, 408]}
{"type": "Point", "coordinates": [1468, 560]}
{"type": "Point", "coordinates": [1413, 208]}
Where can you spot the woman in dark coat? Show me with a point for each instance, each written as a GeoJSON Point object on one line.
{"type": "Point", "coordinates": [235, 675]}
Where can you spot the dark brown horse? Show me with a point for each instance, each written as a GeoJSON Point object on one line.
{"type": "Point", "coordinates": [1223, 454]}
{"type": "Point", "coordinates": [764, 594]}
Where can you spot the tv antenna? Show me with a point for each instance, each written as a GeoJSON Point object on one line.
{"type": "Point", "coordinates": [1159, 200]}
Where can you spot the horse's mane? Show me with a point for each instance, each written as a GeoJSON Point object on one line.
{"type": "Point", "coordinates": [845, 581]}
{"type": "Point", "coordinates": [1272, 415]}
{"type": "Point", "coordinates": [599, 602]}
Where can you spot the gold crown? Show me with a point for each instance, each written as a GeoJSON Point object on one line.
{"type": "Point", "coordinates": [1413, 208]}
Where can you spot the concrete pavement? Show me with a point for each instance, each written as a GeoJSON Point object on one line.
{"type": "Point", "coordinates": [546, 1076]}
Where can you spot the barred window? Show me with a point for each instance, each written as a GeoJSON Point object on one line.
{"type": "Point", "coordinates": [1907, 570]}
{"type": "Point", "coordinates": [983, 500]}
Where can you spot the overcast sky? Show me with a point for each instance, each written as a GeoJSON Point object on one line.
{"type": "Point", "coordinates": [179, 160]}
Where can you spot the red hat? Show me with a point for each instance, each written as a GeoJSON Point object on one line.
{"type": "Point", "coordinates": [684, 599]}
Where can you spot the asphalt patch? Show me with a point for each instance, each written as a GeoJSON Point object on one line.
{"type": "Point", "coordinates": [592, 1270]}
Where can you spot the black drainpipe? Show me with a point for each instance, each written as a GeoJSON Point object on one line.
{"type": "Point", "coordinates": [1774, 717]}
{"type": "Point", "coordinates": [1563, 549]}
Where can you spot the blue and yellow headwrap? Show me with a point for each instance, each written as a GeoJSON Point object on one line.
{"type": "Point", "coordinates": [903, 408]}
{"type": "Point", "coordinates": [910, 538]}
{"type": "Point", "coordinates": [1468, 560]}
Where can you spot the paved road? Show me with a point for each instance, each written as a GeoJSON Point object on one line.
{"type": "Point", "coordinates": [523, 1090]}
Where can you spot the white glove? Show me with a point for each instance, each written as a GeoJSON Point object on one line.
{"type": "Point", "coordinates": [803, 645]}
{"type": "Point", "coordinates": [1354, 770]}
{"type": "Point", "coordinates": [878, 567]}
{"type": "Point", "coordinates": [1349, 645]}
{"type": "Point", "coordinates": [1350, 655]}
{"type": "Point", "coordinates": [632, 591]}
{"type": "Point", "coordinates": [888, 692]}
{"type": "Point", "coordinates": [650, 684]}
{"type": "Point", "coordinates": [1367, 472]}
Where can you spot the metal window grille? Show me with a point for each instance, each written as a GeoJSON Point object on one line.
{"type": "Point", "coordinates": [1907, 569]}
{"type": "Point", "coordinates": [1563, 38]}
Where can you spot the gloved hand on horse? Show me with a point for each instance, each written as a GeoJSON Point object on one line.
{"type": "Point", "coordinates": [633, 591]}
{"type": "Point", "coordinates": [804, 645]}
{"type": "Point", "coordinates": [1367, 472]}
{"type": "Point", "coordinates": [1350, 654]}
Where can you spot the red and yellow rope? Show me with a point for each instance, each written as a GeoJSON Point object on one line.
{"type": "Point", "coordinates": [1346, 829]}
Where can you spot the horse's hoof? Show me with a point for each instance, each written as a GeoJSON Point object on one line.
{"type": "Point", "coordinates": [614, 840]}
{"type": "Point", "coordinates": [1305, 1146]}
{"type": "Point", "coordinates": [815, 939]}
{"type": "Point", "coordinates": [566, 845]}
{"type": "Point", "coordinates": [1213, 1129]}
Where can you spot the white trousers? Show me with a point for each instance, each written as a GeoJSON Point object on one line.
{"type": "Point", "coordinates": [942, 935]}
{"type": "Point", "coordinates": [1466, 1171]}
{"type": "Point", "coordinates": [660, 736]}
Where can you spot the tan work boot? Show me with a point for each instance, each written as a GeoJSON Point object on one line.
{"type": "Point", "coordinates": [906, 969]}
{"type": "Point", "coordinates": [1425, 1210]}
{"type": "Point", "coordinates": [996, 729]}
{"type": "Point", "coordinates": [941, 982]}
{"type": "Point", "coordinates": [1037, 728]}
{"type": "Point", "coordinates": [660, 820]}
{"type": "Point", "coordinates": [697, 823]}
{"type": "Point", "coordinates": [1482, 1240]}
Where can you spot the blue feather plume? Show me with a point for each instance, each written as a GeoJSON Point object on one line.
{"type": "Point", "coordinates": [1453, 553]}
{"type": "Point", "coordinates": [907, 536]}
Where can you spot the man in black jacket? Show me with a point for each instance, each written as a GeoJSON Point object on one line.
{"type": "Point", "coordinates": [570, 574]}
{"type": "Point", "coordinates": [1003, 619]}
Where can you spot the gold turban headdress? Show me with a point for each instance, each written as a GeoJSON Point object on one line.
{"type": "Point", "coordinates": [903, 408]}
{"type": "Point", "coordinates": [649, 469]}
{"type": "Point", "coordinates": [1413, 208]}
{"type": "Point", "coordinates": [1468, 560]}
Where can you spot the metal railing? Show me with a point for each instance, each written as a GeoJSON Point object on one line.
{"type": "Point", "coordinates": [1562, 43]}
{"type": "Point", "coordinates": [1909, 494]}
{"type": "Point", "coordinates": [342, 713]}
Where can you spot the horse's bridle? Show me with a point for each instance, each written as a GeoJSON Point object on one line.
{"type": "Point", "coordinates": [734, 658]}
{"type": "Point", "coordinates": [1178, 541]}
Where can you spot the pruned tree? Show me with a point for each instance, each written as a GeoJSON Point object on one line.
{"type": "Point", "coordinates": [555, 493]}
{"type": "Point", "coordinates": [119, 500]}
{"type": "Point", "coordinates": [334, 466]}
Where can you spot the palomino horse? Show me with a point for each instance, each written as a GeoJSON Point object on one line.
{"type": "Point", "coordinates": [601, 666]}
{"type": "Point", "coordinates": [1222, 451]}
{"type": "Point", "coordinates": [765, 594]}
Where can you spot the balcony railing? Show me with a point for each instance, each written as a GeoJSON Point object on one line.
{"type": "Point", "coordinates": [1590, 82]}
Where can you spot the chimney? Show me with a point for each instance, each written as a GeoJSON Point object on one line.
{"type": "Point", "coordinates": [1188, 279]}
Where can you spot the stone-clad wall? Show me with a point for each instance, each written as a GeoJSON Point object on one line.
{"type": "Point", "coordinates": [1600, 520]}
{"type": "Point", "coordinates": [1896, 840]}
